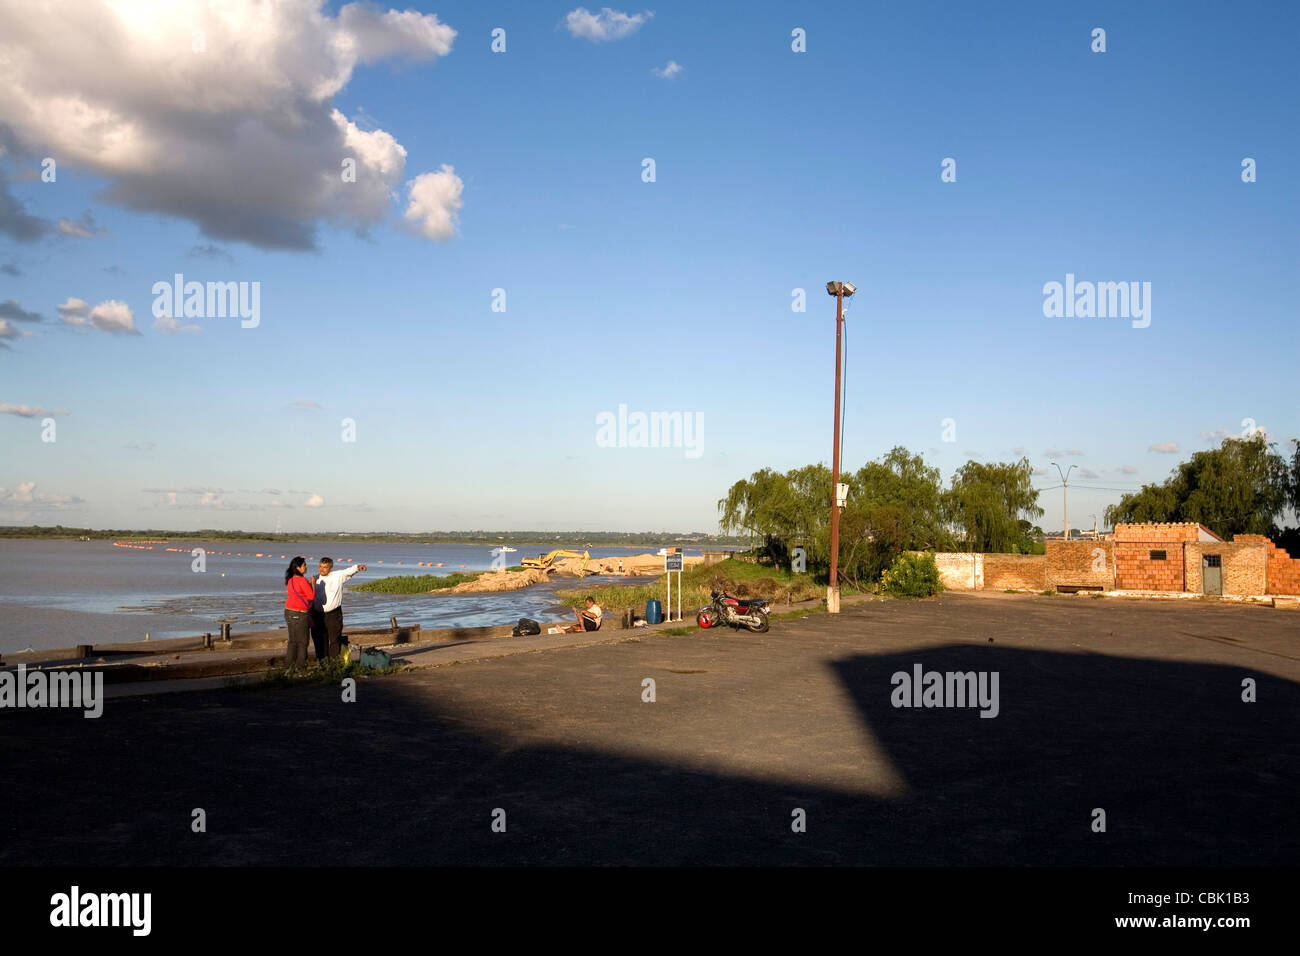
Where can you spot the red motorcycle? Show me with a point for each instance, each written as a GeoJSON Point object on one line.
{"type": "Point", "coordinates": [749, 613]}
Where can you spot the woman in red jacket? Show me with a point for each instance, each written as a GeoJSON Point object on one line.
{"type": "Point", "coordinates": [298, 595]}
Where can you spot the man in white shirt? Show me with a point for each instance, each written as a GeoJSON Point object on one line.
{"type": "Point", "coordinates": [588, 620]}
{"type": "Point", "coordinates": [327, 608]}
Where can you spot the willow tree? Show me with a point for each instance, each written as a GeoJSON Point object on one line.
{"type": "Point", "coordinates": [1241, 487]}
{"type": "Point", "coordinates": [988, 503]}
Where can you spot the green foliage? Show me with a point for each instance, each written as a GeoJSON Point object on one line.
{"type": "Point", "coordinates": [414, 583]}
{"type": "Point", "coordinates": [741, 578]}
{"type": "Point", "coordinates": [912, 576]}
{"type": "Point", "coordinates": [1241, 487]}
{"type": "Point", "coordinates": [986, 502]}
{"type": "Point", "coordinates": [332, 670]}
{"type": "Point", "coordinates": [895, 504]}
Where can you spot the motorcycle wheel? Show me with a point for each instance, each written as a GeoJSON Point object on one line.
{"type": "Point", "coordinates": [705, 618]}
{"type": "Point", "coordinates": [763, 623]}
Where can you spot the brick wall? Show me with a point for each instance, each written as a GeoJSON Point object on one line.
{"type": "Point", "coordinates": [1135, 571]}
{"type": "Point", "coordinates": [959, 571]}
{"type": "Point", "coordinates": [1026, 572]}
{"type": "Point", "coordinates": [1282, 572]}
{"type": "Point", "coordinates": [1081, 563]}
{"type": "Point", "coordinates": [1243, 564]}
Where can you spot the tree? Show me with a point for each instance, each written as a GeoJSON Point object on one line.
{"type": "Point", "coordinates": [1241, 487]}
{"type": "Point", "coordinates": [987, 503]}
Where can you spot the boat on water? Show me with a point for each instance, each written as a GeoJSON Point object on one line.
{"type": "Point", "coordinates": [506, 547]}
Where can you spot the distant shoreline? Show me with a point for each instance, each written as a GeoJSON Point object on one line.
{"type": "Point", "coordinates": [541, 539]}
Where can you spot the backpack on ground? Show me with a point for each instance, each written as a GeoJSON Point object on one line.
{"type": "Point", "coordinates": [525, 627]}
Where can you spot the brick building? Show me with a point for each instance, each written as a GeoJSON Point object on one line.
{"type": "Point", "coordinates": [1189, 557]}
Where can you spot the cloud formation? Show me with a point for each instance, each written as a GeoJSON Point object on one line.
{"type": "Point", "coordinates": [27, 411]}
{"type": "Point", "coordinates": [25, 496]}
{"type": "Point", "coordinates": [83, 228]}
{"type": "Point", "coordinates": [669, 71]}
{"type": "Point", "coordinates": [15, 221]}
{"type": "Point", "coordinates": [111, 315]}
{"type": "Point", "coordinates": [169, 326]}
{"type": "Point", "coordinates": [12, 309]}
{"type": "Point", "coordinates": [433, 204]}
{"type": "Point", "coordinates": [10, 331]}
{"type": "Point", "coordinates": [221, 115]}
{"type": "Point", "coordinates": [1164, 447]}
{"type": "Point", "coordinates": [606, 25]}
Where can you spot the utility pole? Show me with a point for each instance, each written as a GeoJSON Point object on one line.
{"type": "Point", "coordinates": [1065, 488]}
{"type": "Point", "coordinates": [839, 290]}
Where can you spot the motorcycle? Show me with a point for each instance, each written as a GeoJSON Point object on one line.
{"type": "Point", "coordinates": [738, 612]}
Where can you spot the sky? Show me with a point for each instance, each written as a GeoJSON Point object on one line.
{"type": "Point", "coordinates": [443, 340]}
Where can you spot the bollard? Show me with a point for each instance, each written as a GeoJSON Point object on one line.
{"type": "Point", "coordinates": [225, 631]}
{"type": "Point", "coordinates": [393, 622]}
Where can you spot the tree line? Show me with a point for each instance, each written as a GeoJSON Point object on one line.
{"type": "Point", "coordinates": [1245, 486]}
{"type": "Point", "coordinates": [896, 503]}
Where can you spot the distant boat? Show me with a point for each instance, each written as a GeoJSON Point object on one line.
{"type": "Point", "coordinates": [505, 547]}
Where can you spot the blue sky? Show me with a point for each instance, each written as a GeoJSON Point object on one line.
{"type": "Point", "coordinates": [775, 170]}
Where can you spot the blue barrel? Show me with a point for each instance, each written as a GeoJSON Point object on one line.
{"type": "Point", "coordinates": [654, 613]}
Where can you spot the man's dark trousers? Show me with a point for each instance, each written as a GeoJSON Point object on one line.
{"type": "Point", "coordinates": [333, 621]}
{"type": "Point", "coordinates": [319, 635]}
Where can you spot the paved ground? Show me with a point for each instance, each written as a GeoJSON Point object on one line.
{"type": "Point", "coordinates": [1132, 707]}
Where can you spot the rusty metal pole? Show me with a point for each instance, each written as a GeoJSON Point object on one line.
{"type": "Point", "coordinates": [833, 589]}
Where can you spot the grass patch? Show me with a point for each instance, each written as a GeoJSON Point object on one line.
{"type": "Point", "coordinates": [739, 578]}
{"type": "Point", "coordinates": [415, 583]}
{"type": "Point", "coordinates": [334, 670]}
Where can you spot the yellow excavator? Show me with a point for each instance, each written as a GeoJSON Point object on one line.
{"type": "Point", "coordinates": [547, 561]}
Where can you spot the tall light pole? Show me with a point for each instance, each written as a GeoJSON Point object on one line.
{"type": "Point", "coordinates": [1065, 488]}
{"type": "Point", "coordinates": [840, 290]}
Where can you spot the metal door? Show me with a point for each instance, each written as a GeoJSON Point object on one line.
{"type": "Point", "coordinates": [1211, 574]}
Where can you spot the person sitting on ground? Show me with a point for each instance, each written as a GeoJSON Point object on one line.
{"type": "Point", "coordinates": [588, 620]}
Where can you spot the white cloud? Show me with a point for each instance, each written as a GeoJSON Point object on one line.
{"type": "Point", "coordinates": [10, 331]}
{"type": "Point", "coordinates": [434, 199]}
{"type": "Point", "coordinates": [606, 25]}
{"type": "Point", "coordinates": [165, 323]}
{"type": "Point", "coordinates": [83, 228]}
{"type": "Point", "coordinates": [373, 34]}
{"type": "Point", "coordinates": [1165, 447]}
{"type": "Point", "coordinates": [669, 71]}
{"type": "Point", "coordinates": [74, 312]}
{"type": "Point", "coordinates": [111, 315]}
{"type": "Point", "coordinates": [26, 497]}
{"type": "Point", "coordinates": [240, 136]}
{"type": "Point", "coordinates": [1128, 469]}
{"type": "Point", "coordinates": [314, 501]}
{"type": "Point", "coordinates": [27, 411]}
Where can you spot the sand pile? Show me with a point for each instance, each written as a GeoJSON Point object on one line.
{"type": "Point", "coordinates": [498, 581]}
